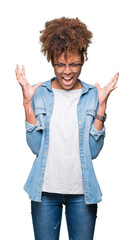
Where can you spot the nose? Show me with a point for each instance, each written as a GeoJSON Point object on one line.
{"type": "Point", "coordinates": [67, 70]}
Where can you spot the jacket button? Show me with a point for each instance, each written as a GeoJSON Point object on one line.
{"type": "Point", "coordinates": [45, 153]}
{"type": "Point", "coordinates": [43, 168]}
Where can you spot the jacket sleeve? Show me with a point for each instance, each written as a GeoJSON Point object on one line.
{"type": "Point", "coordinates": [96, 138]}
{"type": "Point", "coordinates": [33, 136]}
{"type": "Point", "coordinates": [34, 132]}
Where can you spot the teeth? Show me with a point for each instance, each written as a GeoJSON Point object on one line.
{"type": "Point", "coordinates": [67, 78]}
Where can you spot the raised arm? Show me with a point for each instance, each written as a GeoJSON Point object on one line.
{"type": "Point", "coordinates": [97, 132]}
{"type": "Point", "coordinates": [33, 137]}
{"type": "Point", "coordinates": [28, 92]}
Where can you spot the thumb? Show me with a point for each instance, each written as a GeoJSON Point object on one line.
{"type": "Point", "coordinates": [97, 86]}
{"type": "Point", "coordinates": [37, 85]}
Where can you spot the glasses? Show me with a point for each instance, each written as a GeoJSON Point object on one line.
{"type": "Point", "coordinates": [74, 67]}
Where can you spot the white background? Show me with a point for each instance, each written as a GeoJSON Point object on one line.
{"type": "Point", "coordinates": [112, 50]}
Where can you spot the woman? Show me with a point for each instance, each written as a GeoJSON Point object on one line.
{"type": "Point", "coordinates": [65, 130]}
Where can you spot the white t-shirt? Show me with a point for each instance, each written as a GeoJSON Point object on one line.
{"type": "Point", "coordinates": [63, 168]}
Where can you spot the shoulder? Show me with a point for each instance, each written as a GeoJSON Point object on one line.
{"type": "Point", "coordinates": [90, 89]}
{"type": "Point", "coordinates": [42, 94]}
{"type": "Point", "coordinates": [44, 86]}
{"type": "Point", "coordinates": [91, 94]}
{"type": "Point", "coordinates": [88, 86]}
{"type": "Point", "coordinates": [37, 99]}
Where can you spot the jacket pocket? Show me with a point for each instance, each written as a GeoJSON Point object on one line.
{"type": "Point", "coordinates": [89, 118]}
{"type": "Point", "coordinates": [40, 114]}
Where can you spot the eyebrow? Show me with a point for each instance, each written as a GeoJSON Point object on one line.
{"type": "Point", "coordinates": [70, 63]}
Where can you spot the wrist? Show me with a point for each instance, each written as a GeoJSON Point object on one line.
{"type": "Point", "coordinates": [27, 103]}
{"type": "Point", "coordinates": [101, 109]}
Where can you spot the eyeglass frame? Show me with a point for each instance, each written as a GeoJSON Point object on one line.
{"type": "Point", "coordinates": [67, 65]}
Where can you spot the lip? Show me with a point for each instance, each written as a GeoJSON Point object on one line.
{"type": "Point", "coordinates": [67, 81]}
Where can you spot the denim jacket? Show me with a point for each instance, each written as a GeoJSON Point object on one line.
{"type": "Point", "coordinates": [90, 139]}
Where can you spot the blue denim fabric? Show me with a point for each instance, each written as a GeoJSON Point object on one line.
{"type": "Point", "coordinates": [90, 140]}
{"type": "Point", "coordinates": [47, 215]}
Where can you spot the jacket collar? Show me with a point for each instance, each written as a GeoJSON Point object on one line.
{"type": "Point", "coordinates": [85, 88]}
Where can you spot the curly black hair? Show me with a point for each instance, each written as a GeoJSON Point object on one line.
{"type": "Point", "coordinates": [65, 35]}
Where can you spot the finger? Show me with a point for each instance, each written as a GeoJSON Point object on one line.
{"type": "Point", "coordinates": [116, 76]}
{"type": "Point", "coordinates": [17, 74]}
{"type": "Point", "coordinates": [17, 68]}
{"type": "Point", "coordinates": [17, 71]}
{"type": "Point", "coordinates": [23, 72]}
{"type": "Point", "coordinates": [20, 81]}
{"type": "Point", "coordinates": [113, 88]}
{"type": "Point", "coordinates": [23, 69]}
{"type": "Point", "coordinates": [113, 81]}
{"type": "Point", "coordinates": [37, 85]}
{"type": "Point", "coordinates": [97, 86]}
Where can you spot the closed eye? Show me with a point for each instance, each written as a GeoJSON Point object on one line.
{"type": "Point", "coordinates": [71, 64]}
{"type": "Point", "coordinates": [60, 64]}
{"type": "Point", "coordinates": [74, 64]}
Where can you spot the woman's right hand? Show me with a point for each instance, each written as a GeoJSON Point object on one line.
{"type": "Point", "coordinates": [27, 89]}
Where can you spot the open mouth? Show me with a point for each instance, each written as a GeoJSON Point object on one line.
{"type": "Point", "coordinates": [67, 80]}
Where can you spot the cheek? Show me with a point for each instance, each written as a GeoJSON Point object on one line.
{"type": "Point", "coordinates": [76, 75]}
{"type": "Point", "coordinates": [58, 75]}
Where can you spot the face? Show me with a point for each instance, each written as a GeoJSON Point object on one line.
{"type": "Point", "coordinates": [67, 79]}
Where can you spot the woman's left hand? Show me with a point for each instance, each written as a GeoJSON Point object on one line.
{"type": "Point", "coordinates": [103, 93]}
